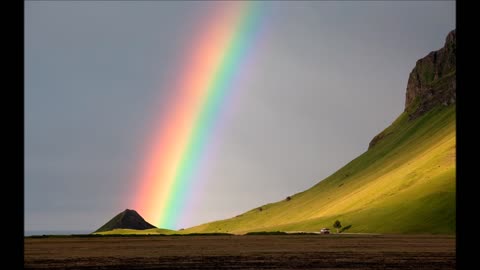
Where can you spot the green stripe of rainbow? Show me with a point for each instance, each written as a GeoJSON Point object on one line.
{"type": "Point", "coordinates": [182, 140]}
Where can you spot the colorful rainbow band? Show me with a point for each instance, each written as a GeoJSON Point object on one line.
{"type": "Point", "coordinates": [187, 128]}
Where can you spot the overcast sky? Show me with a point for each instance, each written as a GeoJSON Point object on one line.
{"type": "Point", "coordinates": [328, 76]}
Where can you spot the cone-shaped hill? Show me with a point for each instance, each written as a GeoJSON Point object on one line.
{"type": "Point", "coordinates": [128, 219]}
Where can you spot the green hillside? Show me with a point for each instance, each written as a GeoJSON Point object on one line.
{"type": "Point", "coordinates": [404, 184]}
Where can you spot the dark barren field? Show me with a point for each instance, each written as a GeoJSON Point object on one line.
{"type": "Point", "coordinates": [243, 252]}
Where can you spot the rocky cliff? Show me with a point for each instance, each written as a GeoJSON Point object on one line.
{"type": "Point", "coordinates": [432, 82]}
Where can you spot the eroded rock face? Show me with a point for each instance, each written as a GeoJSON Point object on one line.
{"type": "Point", "coordinates": [432, 81]}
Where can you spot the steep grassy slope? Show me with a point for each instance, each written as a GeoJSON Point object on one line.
{"type": "Point", "coordinates": [404, 184]}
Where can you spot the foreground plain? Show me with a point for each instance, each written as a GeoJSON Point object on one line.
{"type": "Point", "coordinates": [243, 252]}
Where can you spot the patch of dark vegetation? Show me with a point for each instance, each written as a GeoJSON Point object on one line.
{"type": "Point", "coordinates": [346, 228]}
{"type": "Point", "coordinates": [125, 235]}
{"type": "Point", "coordinates": [260, 209]}
{"type": "Point", "coordinates": [340, 185]}
{"type": "Point", "coordinates": [85, 235]}
{"type": "Point", "coordinates": [302, 233]}
{"type": "Point", "coordinates": [378, 138]}
{"type": "Point", "coordinates": [200, 234]}
{"type": "Point", "coordinates": [37, 236]}
{"type": "Point", "coordinates": [267, 233]}
{"type": "Point", "coordinates": [288, 198]}
{"type": "Point", "coordinates": [63, 235]}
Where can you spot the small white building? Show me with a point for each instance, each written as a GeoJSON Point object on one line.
{"type": "Point", "coordinates": [325, 231]}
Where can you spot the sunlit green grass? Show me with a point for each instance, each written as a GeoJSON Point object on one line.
{"type": "Point", "coordinates": [404, 184]}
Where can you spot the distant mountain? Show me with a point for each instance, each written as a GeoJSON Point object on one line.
{"type": "Point", "coordinates": [128, 219]}
{"type": "Point", "coordinates": [404, 183]}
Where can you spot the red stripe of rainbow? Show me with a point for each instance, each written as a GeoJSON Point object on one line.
{"type": "Point", "coordinates": [182, 138]}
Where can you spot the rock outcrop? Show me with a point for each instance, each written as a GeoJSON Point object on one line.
{"type": "Point", "coordinates": [432, 81]}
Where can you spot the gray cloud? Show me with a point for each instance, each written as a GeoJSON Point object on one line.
{"type": "Point", "coordinates": [326, 78]}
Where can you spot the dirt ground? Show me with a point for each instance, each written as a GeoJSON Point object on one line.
{"type": "Point", "coordinates": [243, 252]}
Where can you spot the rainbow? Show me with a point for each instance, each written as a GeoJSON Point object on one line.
{"type": "Point", "coordinates": [186, 128]}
